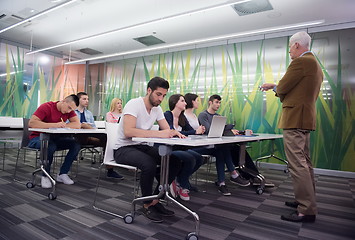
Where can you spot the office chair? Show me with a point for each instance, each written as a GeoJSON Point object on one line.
{"type": "Point", "coordinates": [23, 146]}
{"type": "Point", "coordinates": [112, 135]}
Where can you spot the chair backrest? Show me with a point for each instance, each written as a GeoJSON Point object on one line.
{"type": "Point", "coordinates": [25, 133]}
{"type": "Point", "coordinates": [112, 135]}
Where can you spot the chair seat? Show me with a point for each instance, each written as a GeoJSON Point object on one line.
{"type": "Point", "coordinates": [114, 164]}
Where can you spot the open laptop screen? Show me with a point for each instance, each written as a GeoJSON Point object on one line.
{"type": "Point", "coordinates": [217, 126]}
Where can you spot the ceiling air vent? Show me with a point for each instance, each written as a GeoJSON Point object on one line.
{"type": "Point", "coordinates": [149, 40]}
{"type": "Point", "coordinates": [89, 51]}
{"type": "Point", "coordinates": [251, 7]}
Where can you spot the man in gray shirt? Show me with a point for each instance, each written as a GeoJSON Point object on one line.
{"type": "Point", "coordinates": [205, 119]}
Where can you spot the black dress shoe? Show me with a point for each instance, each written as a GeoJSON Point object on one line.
{"type": "Point", "coordinates": [293, 204]}
{"type": "Point", "coordinates": [293, 217]}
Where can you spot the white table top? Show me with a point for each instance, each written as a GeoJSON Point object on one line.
{"type": "Point", "coordinates": [11, 122]}
{"type": "Point", "coordinates": [66, 130]}
{"type": "Point", "coordinates": [203, 140]}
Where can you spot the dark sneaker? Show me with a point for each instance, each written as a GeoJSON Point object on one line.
{"type": "Point", "coordinates": [240, 181]}
{"type": "Point", "coordinates": [152, 214]}
{"type": "Point", "coordinates": [257, 182]}
{"type": "Point", "coordinates": [163, 211]}
{"type": "Point", "coordinates": [113, 174]}
{"type": "Point", "coordinates": [293, 204]}
{"type": "Point", "coordinates": [224, 190]}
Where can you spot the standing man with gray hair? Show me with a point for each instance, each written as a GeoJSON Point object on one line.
{"type": "Point", "coordinates": [298, 91]}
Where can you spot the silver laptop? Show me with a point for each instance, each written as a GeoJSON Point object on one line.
{"type": "Point", "coordinates": [217, 126]}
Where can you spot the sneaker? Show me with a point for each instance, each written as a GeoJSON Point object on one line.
{"type": "Point", "coordinates": [184, 194]}
{"type": "Point", "coordinates": [257, 182]}
{"type": "Point", "coordinates": [163, 211]}
{"type": "Point", "coordinates": [240, 181]}
{"type": "Point", "coordinates": [45, 182]}
{"type": "Point", "coordinates": [152, 214]}
{"type": "Point", "coordinates": [174, 188]}
{"type": "Point", "coordinates": [224, 190]}
{"type": "Point", "coordinates": [113, 174]}
{"type": "Point", "coordinates": [64, 178]}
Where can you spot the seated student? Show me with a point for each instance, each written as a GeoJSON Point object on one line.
{"type": "Point", "coordinates": [55, 115]}
{"type": "Point", "coordinates": [221, 152]}
{"type": "Point", "coordinates": [191, 160]}
{"type": "Point", "coordinates": [192, 103]}
{"type": "Point", "coordinates": [205, 118]}
{"type": "Point", "coordinates": [114, 115]}
{"type": "Point", "coordinates": [87, 121]}
{"type": "Point", "coordinates": [137, 119]}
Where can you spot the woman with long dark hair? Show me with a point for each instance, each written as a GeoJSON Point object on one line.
{"type": "Point", "coordinates": [191, 160]}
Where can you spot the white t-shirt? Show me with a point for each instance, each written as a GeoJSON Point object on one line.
{"type": "Point", "coordinates": [145, 120]}
{"type": "Point", "coordinates": [193, 121]}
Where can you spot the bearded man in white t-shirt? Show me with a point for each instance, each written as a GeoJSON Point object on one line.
{"type": "Point", "coordinates": [138, 117]}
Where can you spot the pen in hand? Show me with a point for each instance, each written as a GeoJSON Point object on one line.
{"type": "Point", "coordinates": [63, 123]}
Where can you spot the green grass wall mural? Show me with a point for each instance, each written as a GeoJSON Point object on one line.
{"type": "Point", "coordinates": [235, 72]}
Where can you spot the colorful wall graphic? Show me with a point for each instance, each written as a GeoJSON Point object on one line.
{"type": "Point", "coordinates": [234, 71]}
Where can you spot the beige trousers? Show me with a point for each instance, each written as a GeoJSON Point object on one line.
{"type": "Point", "coordinates": [297, 144]}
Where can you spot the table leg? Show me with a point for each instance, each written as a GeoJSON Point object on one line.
{"type": "Point", "coordinates": [272, 155]}
{"type": "Point", "coordinates": [165, 152]}
{"type": "Point", "coordinates": [243, 168]}
{"type": "Point", "coordinates": [44, 162]}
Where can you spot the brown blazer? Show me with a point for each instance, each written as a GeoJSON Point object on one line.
{"type": "Point", "coordinates": [298, 91]}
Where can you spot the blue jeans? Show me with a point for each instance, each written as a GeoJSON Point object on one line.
{"type": "Point", "coordinates": [57, 143]}
{"type": "Point", "coordinates": [191, 161]}
{"type": "Point", "coordinates": [223, 157]}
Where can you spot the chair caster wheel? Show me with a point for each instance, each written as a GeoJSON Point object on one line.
{"type": "Point", "coordinates": [260, 190]}
{"type": "Point", "coordinates": [192, 236]}
{"type": "Point", "coordinates": [52, 196]}
{"type": "Point", "coordinates": [30, 185]}
{"type": "Point", "coordinates": [128, 218]}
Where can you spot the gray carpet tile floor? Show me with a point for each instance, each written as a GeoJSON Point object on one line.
{"type": "Point", "coordinates": [29, 214]}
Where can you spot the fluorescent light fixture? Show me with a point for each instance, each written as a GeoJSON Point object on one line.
{"type": "Point", "coordinates": [205, 40]}
{"type": "Point", "coordinates": [38, 15]}
{"type": "Point", "coordinates": [11, 73]}
{"type": "Point", "coordinates": [141, 24]}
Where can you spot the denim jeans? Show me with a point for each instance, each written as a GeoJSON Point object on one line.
{"type": "Point", "coordinates": [191, 161]}
{"type": "Point", "coordinates": [223, 158]}
{"type": "Point", "coordinates": [57, 143]}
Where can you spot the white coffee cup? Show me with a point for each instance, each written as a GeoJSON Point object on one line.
{"type": "Point", "coordinates": [248, 132]}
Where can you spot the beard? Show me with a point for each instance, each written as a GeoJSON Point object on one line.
{"type": "Point", "coordinates": [152, 102]}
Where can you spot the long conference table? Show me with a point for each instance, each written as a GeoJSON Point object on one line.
{"type": "Point", "coordinates": [165, 149]}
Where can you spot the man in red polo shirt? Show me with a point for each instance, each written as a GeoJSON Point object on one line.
{"type": "Point", "coordinates": [55, 115]}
